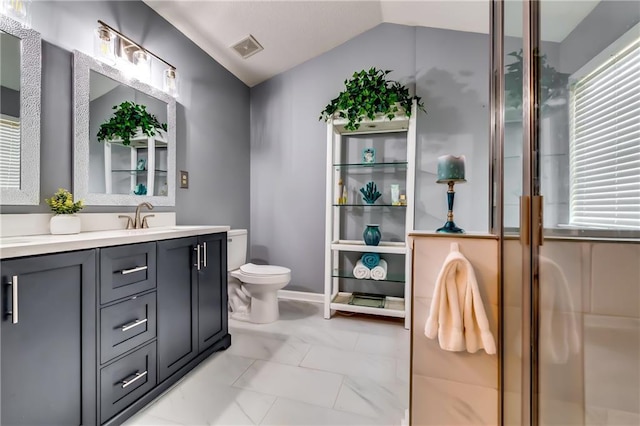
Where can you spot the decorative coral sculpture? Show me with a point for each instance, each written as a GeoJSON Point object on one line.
{"type": "Point", "coordinates": [370, 193]}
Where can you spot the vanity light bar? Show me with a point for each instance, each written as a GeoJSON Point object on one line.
{"type": "Point", "coordinates": [170, 75]}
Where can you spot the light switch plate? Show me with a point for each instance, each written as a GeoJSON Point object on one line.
{"type": "Point", "coordinates": [184, 179]}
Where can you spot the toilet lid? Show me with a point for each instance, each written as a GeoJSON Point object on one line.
{"type": "Point", "coordinates": [252, 269]}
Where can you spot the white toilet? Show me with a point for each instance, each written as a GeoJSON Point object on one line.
{"type": "Point", "coordinates": [253, 289]}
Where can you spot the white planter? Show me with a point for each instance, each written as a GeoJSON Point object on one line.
{"type": "Point", "coordinates": [61, 224]}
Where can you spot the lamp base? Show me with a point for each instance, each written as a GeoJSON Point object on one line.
{"type": "Point", "coordinates": [450, 228]}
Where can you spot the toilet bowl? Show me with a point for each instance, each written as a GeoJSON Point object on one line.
{"type": "Point", "coordinates": [253, 289]}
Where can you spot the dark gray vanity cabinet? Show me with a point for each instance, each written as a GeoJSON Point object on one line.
{"type": "Point", "coordinates": [192, 298]}
{"type": "Point", "coordinates": [48, 339]}
{"type": "Point", "coordinates": [177, 302]}
{"type": "Point", "coordinates": [212, 290]}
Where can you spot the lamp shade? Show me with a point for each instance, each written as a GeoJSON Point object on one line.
{"type": "Point", "coordinates": [450, 169]}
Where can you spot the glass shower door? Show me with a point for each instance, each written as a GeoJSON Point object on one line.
{"type": "Point", "coordinates": [571, 246]}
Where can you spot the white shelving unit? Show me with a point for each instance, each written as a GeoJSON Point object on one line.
{"type": "Point", "coordinates": [151, 146]}
{"type": "Point", "coordinates": [334, 298]}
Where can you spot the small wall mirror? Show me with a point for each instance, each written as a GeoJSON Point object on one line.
{"type": "Point", "coordinates": [20, 78]}
{"type": "Point", "coordinates": [113, 170]}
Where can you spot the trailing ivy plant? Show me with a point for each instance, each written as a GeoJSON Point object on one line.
{"type": "Point", "coordinates": [127, 119]}
{"type": "Point", "coordinates": [552, 83]}
{"type": "Point", "coordinates": [369, 94]}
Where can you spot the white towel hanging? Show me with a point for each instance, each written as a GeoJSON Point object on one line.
{"type": "Point", "coordinates": [457, 314]}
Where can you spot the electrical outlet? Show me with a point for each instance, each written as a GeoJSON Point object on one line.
{"type": "Point", "coordinates": [184, 179]}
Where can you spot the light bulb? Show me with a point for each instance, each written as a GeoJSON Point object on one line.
{"type": "Point", "coordinates": [103, 45]}
{"type": "Point", "coordinates": [170, 82]}
{"type": "Point", "coordinates": [18, 10]}
{"type": "Point", "coordinates": [142, 65]}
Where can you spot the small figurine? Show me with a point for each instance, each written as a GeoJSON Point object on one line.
{"type": "Point", "coordinates": [368, 155]}
{"type": "Point", "coordinates": [370, 193]}
{"type": "Point", "coordinates": [142, 164]}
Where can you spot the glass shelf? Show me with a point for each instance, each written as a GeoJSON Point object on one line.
{"type": "Point", "coordinates": [398, 164]}
{"type": "Point", "coordinates": [139, 172]}
{"type": "Point", "coordinates": [391, 278]}
{"type": "Point", "coordinates": [368, 205]}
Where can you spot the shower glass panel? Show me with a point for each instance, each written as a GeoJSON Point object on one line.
{"type": "Point", "coordinates": [512, 192]}
{"type": "Point", "coordinates": [574, 295]}
{"type": "Point", "coordinates": [589, 174]}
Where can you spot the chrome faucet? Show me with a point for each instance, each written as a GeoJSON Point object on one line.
{"type": "Point", "coordinates": [137, 223]}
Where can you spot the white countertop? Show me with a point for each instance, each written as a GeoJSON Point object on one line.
{"type": "Point", "coordinates": [41, 244]}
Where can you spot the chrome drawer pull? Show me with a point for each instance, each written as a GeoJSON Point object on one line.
{"type": "Point", "coordinates": [133, 324]}
{"type": "Point", "coordinates": [136, 269]}
{"type": "Point", "coordinates": [137, 377]}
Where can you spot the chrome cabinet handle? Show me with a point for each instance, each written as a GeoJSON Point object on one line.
{"type": "Point", "coordinates": [136, 269]}
{"type": "Point", "coordinates": [133, 324]}
{"type": "Point", "coordinates": [204, 255]}
{"type": "Point", "coordinates": [14, 300]}
{"type": "Point", "coordinates": [197, 249]}
{"type": "Point", "coordinates": [136, 377]}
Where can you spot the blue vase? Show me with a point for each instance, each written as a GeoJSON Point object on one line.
{"type": "Point", "coordinates": [372, 235]}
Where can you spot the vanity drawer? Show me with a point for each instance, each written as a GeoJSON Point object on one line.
{"type": "Point", "coordinates": [125, 325]}
{"type": "Point", "coordinates": [127, 270]}
{"type": "Point", "coordinates": [126, 380]}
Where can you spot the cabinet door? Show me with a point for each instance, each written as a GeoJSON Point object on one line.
{"type": "Point", "coordinates": [48, 348]}
{"type": "Point", "coordinates": [177, 301]}
{"type": "Point", "coordinates": [212, 290]}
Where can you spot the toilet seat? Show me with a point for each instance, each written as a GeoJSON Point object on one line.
{"type": "Point", "coordinates": [262, 274]}
{"type": "Point", "coordinates": [253, 269]}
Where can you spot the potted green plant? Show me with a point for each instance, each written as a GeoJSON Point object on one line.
{"type": "Point", "coordinates": [64, 220]}
{"type": "Point", "coordinates": [128, 119]}
{"type": "Point", "coordinates": [367, 95]}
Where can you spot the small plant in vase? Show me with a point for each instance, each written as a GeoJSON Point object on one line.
{"type": "Point", "coordinates": [64, 220]}
{"type": "Point", "coordinates": [127, 120]}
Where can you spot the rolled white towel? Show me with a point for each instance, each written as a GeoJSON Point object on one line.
{"type": "Point", "coordinates": [380, 271]}
{"type": "Point", "coordinates": [360, 271]}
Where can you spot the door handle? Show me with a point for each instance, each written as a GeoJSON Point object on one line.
{"type": "Point", "coordinates": [204, 255]}
{"type": "Point", "coordinates": [133, 324]}
{"type": "Point", "coordinates": [132, 270]}
{"type": "Point", "coordinates": [135, 378]}
{"type": "Point", "coordinates": [524, 220]}
{"type": "Point", "coordinates": [197, 249]}
{"type": "Point", "coordinates": [12, 309]}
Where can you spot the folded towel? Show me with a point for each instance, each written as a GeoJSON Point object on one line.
{"type": "Point", "coordinates": [360, 271]}
{"type": "Point", "coordinates": [370, 260]}
{"type": "Point", "coordinates": [380, 271]}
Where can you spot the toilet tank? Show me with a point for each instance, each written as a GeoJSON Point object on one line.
{"type": "Point", "coordinates": [236, 248]}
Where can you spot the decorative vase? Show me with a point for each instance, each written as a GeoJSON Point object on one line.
{"type": "Point", "coordinates": [61, 224]}
{"type": "Point", "coordinates": [372, 235]}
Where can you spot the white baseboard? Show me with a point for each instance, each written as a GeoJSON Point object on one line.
{"type": "Point", "coordinates": [301, 295]}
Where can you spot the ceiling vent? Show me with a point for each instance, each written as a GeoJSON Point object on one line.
{"type": "Point", "coordinates": [247, 47]}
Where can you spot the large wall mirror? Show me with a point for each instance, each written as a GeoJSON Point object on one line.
{"type": "Point", "coordinates": [113, 171]}
{"type": "Point", "coordinates": [20, 78]}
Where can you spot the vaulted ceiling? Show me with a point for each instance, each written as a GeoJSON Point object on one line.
{"type": "Point", "coordinates": [294, 31]}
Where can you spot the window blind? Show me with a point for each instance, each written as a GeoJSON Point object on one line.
{"type": "Point", "coordinates": [9, 152]}
{"type": "Point", "coordinates": [605, 144]}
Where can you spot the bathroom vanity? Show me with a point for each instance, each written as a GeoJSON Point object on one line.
{"type": "Point", "coordinates": [96, 325]}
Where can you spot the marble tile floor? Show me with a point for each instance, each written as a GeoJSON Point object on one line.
{"type": "Point", "coordinates": [300, 370]}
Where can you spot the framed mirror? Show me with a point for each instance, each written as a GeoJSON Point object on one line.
{"type": "Point", "coordinates": [20, 79]}
{"type": "Point", "coordinates": [112, 167]}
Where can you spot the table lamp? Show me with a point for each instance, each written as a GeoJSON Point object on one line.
{"type": "Point", "coordinates": [450, 171]}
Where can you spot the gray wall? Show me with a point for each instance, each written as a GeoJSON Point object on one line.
{"type": "Point", "coordinates": [609, 20]}
{"type": "Point", "coordinates": [449, 70]}
{"type": "Point", "coordinates": [212, 114]}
